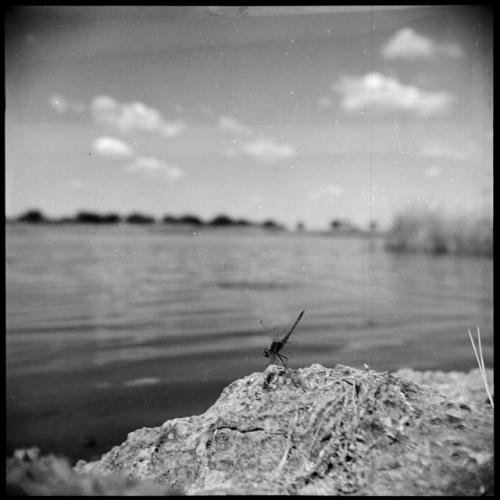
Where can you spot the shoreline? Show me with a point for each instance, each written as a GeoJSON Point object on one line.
{"type": "Point", "coordinates": [436, 418]}
{"type": "Point", "coordinates": [101, 428]}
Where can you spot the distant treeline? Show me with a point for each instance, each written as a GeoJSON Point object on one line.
{"type": "Point", "coordinates": [37, 217]}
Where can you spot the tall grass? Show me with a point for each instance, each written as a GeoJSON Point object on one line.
{"type": "Point", "coordinates": [431, 231]}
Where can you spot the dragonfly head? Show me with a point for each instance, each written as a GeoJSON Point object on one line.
{"type": "Point", "coordinates": [266, 353]}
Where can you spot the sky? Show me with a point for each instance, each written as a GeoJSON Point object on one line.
{"type": "Point", "coordinates": [297, 113]}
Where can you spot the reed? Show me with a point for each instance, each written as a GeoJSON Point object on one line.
{"type": "Point", "coordinates": [480, 361]}
{"type": "Point", "coordinates": [430, 231]}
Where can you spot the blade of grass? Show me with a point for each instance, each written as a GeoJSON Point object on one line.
{"type": "Point", "coordinates": [481, 358]}
{"type": "Point", "coordinates": [484, 369]}
{"type": "Point", "coordinates": [480, 350]}
{"type": "Point", "coordinates": [475, 351]}
{"type": "Point", "coordinates": [480, 362]}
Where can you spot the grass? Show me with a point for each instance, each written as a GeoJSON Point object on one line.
{"type": "Point", "coordinates": [480, 361]}
{"type": "Point", "coordinates": [434, 232]}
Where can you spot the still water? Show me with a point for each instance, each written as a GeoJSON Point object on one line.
{"type": "Point", "coordinates": [113, 328]}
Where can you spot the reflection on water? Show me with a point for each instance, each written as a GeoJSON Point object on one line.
{"type": "Point", "coordinates": [107, 305]}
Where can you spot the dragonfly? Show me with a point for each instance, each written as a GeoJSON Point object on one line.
{"type": "Point", "coordinates": [274, 350]}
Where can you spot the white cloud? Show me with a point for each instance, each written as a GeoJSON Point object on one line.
{"type": "Point", "coordinates": [172, 129]}
{"type": "Point", "coordinates": [232, 125]}
{"type": "Point", "coordinates": [153, 167]}
{"type": "Point", "coordinates": [450, 50]}
{"type": "Point", "coordinates": [408, 44]}
{"type": "Point", "coordinates": [325, 102]}
{"type": "Point", "coordinates": [231, 152]}
{"type": "Point", "coordinates": [128, 117]}
{"type": "Point", "coordinates": [432, 171]}
{"type": "Point", "coordinates": [463, 152]}
{"type": "Point", "coordinates": [58, 103]}
{"type": "Point", "coordinates": [105, 109]}
{"type": "Point", "coordinates": [110, 147]}
{"type": "Point", "coordinates": [61, 104]}
{"type": "Point", "coordinates": [333, 190]}
{"type": "Point", "coordinates": [330, 191]}
{"type": "Point", "coordinates": [206, 110]}
{"type": "Point", "coordinates": [267, 151]}
{"type": "Point", "coordinates": [137, 115]}
{"type": "Point", "coordinates": [78, 184]}
{"type": "Point", "coordinates": [386, 93]}
{"type": "Point", "coordinates": [440, 151]}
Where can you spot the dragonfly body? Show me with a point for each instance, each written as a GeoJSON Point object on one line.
{"type": "Point", "coordinates": [274, 350]}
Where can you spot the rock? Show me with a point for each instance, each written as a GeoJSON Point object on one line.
{"type": "Point", "coordinates": [316, 431]}
{"type": "Point", "coordinates": [467, 388]}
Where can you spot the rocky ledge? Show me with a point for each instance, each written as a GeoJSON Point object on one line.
{"type": "Point", "coordinates": [314, 430]}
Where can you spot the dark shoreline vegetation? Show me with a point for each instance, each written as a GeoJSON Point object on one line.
{"type": "Point", "coordinates": [86, 217]}
{"type": "Point", "coordinates": [337, 226]}
{"type": "Point", "coordinates": [411, 232]}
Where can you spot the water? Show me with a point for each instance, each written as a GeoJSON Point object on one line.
{"type": "Point", "coordinates": [113, 328]}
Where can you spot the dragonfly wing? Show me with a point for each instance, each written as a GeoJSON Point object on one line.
{"type": "Point", "coordinates": [290, 348]}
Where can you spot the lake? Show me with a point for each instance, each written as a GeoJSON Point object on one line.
{"type": "Point", "coordinates": [111, 328]}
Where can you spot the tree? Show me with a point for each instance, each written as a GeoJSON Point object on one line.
{"type": "Point", "coordinates": [110, 218]}
{"type": "Point", "coordinates": [191, 219]}
{"type": "Point", "coordinates": [137, 218]}
{"type": "Point", "coordinates": [169, 219]}
{"type": "Point", "coordinates": [32, 216]}
{"type": "Point", "coordinates": [88, 218]}
{"type": "Point", "coordinates": [270, 224]}
{"type": "Point", "coordinates": [221, 220]}
{"type": "Point", "coordinates": [243, 222]}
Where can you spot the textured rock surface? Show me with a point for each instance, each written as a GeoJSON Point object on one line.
{"type": "Point", "coordinates": [317, 431]}
{"type": "Point", "coordinates": [458, 386]}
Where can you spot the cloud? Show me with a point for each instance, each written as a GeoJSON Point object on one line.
{"type": "Point", "coordinates": [463, 152]}
{"type": "Point", "coordinates": [231, 151]}
{"type": "Point", "coordinates": [232, 125]}
{"type": "Point", "coordinates": [105, 109]}
{"type": "Point", "coordinates": [386, 93]}
{"type": "Point", "coordinates": [263, 150]}
{"type": "Point", "coordinates": [153, 167]}
{"type": "Point", "coordinates": [78, 184]}
{"type": "Point", "coordinates": [440, 151]}
{"type": "Point", "coordinates": [110, 147]}
{"type": "Point", "coordinates": [267, 151]}
{"type": "Point", "coordinates": [129, 117]}
{"type": "Point", "coordinates": [408, 44]}
{"type": "Point", "coordinates": [325, 102]}
{"type": "Point", "coordinates": [172, 129]}
{"type": "Point", "coordinates": [62, 105]}
{"type": "Point", "coordinates": [330, 191]}
{"type": "Point", "coordinates": [333, 190]}
{"type": "Point", "coordinates": [206, 110]}
{"type": "Point", "coordinates": [432, 172]}
{"type": "Point", "coordinates": [58, 103]}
